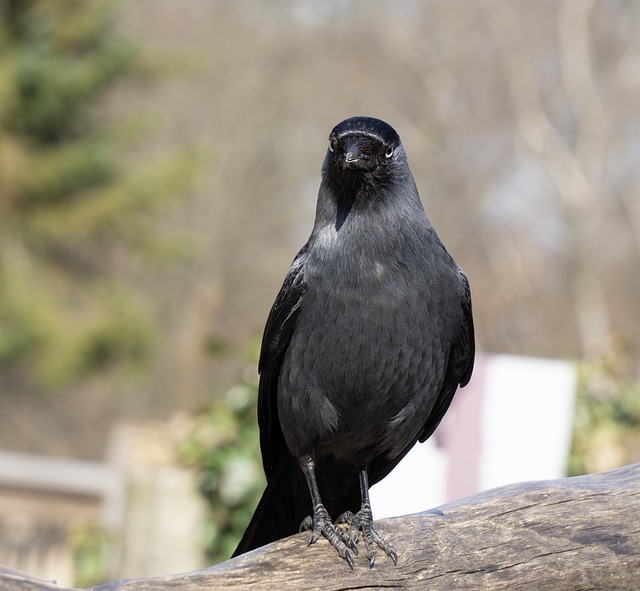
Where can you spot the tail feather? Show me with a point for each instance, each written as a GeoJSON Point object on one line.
{"type": "Point", "coordinates": [284, 504]}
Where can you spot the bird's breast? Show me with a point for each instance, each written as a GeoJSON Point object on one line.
{"type": "Point", "coordinates": [362, 352]}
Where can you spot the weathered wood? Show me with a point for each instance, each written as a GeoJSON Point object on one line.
{"type": "Point", "coordinates": [570, 534]}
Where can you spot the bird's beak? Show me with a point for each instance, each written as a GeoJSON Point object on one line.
{"type": "Point", "coordinates": [355, 159]}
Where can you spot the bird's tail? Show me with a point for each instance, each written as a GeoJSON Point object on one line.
{"type": "Point", "coordinates": [284, 504]}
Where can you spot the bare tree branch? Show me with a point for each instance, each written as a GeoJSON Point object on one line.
{"type": "Point", "coordinates": [574, 171]}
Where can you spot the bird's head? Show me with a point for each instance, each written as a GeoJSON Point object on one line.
{"type": "Point", "coordinates": [362, 145]}
{"type": "Point", "coordinates": [365, 169]}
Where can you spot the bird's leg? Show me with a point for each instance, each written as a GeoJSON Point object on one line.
{"type": "Point", "coordinates": [362, 522]}
{"type": "Point", "coordinates": [320, 523]}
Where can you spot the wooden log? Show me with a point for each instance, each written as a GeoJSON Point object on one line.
{"type": "Point", "coordinates": [569, 534]}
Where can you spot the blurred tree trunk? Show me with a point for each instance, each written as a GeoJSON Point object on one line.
{"type": "Point", "coordinates": [574, 166]}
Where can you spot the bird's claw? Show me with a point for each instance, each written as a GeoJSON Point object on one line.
{"type": "Point", "coordinates": [320, 524]}
{"type": "Point", "coordinates": [361, 523]}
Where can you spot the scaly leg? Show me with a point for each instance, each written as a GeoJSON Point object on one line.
{"type": "Point", "coordinates": [321, 523]}
{"type": "Point", "coordinates": [362, 521]}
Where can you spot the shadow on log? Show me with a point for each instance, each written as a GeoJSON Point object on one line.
{"type": "Point", "coordinates": [570, 534]}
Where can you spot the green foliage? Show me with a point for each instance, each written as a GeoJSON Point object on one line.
{"type": "Point", "coordinates": [74, 210]}
{"type": "Point", "coordinates": [91, 548]}
{"type": "Point", "coordinates": [225, 448]}
{"type": "Point", "coordinates": [606, 431]}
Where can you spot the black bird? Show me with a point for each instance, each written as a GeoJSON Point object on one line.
{"type": "Point", "coordinates": [363, 349]}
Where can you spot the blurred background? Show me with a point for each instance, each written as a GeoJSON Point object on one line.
{"type": "Point", "coordinates": [159, 164]}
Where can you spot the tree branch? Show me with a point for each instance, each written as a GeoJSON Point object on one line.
{"type": "Point", "coordinates": [568, 534]}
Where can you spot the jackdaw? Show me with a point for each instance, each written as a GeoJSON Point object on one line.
{"type": "Point", "coordinates": [363, 349]}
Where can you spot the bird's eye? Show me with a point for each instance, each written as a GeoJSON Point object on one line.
{"type": "Point", "coordinates": [389, 152]}
{"type": "Point", "coordinates": [333, 145]}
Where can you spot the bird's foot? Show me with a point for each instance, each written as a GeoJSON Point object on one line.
{"type": "Point", "coordinates": [321, 524]}
{"type": "Point", "coordinates": [362, 523]}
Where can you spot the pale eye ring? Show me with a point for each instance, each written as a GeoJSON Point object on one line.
{"type": "Point", "coordinates": [389, 152]}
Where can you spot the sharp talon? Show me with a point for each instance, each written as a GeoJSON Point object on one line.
{"type": "Point", "coordinates": [306, 525]}
{"type": "Point", "coordinates": [361, 525]}
{"type": "Point", "coordinates": [349, 559]}
{"type": "Point", "coordinates": [371, 555]}
{"type": "Point", "coordinates": [320, 525]}
{"type": "Point", "coordinates": [394, 557]}
{"type": "Point", "coordinates": [346, 542]}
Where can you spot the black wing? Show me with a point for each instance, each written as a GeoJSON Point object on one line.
{"type": "Point", "coordinates": [459, 367]}
{"type": "Point", "coordinates": [459, 370]}
{"type": "Point", "coordinates": [276, 339]}
{"type": "Point", "coordinates": [464, 351]}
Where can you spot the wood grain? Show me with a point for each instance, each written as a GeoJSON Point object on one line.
{"type": "Point", "coordinates": [569, 534]}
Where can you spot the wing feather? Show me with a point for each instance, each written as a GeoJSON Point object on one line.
{"type": "Point", "coordinates": [459, 370]}
{"type": "Point", "coordinates": [275, 340]}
